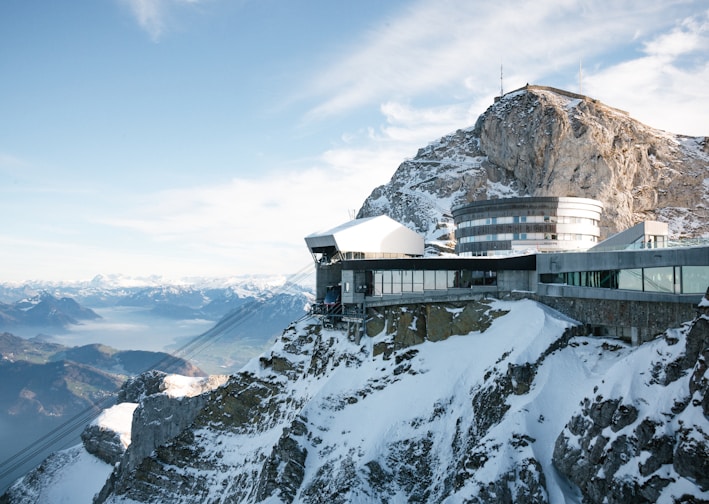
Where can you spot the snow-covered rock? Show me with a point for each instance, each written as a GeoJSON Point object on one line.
{"type": "Point", "coordinates": [108, 436]}
{"type": "Point", "coordinates": [547, 142]}
{"type": "Point", "coordinates": [470, 418]}
{"type": "Point", "coordinates": [644, 435]}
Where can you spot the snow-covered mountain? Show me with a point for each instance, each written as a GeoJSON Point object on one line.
{"type": "Point", "coordinates": [542, 141]}
{"type": "Point", "coordinates": [501, 414]}
{"type": "Point", "coordinates": [40, 396]}
{"type": "Point", "coordinates": [517, 404]}
{"type": "Point", "coordinates": [44, 310]}
{"type": "Point", "coordinates": [208, 298]}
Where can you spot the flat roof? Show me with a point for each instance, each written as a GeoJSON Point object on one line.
{"type": "Point", "coordinates": [526, 262]}
{"type": "Point", "coordinates": [501, 202]}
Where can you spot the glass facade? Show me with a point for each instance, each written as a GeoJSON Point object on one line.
{"type": "Point", "coordinates": [668, 279]}
{"type": "Point", "coordinates": [695, 278]}
{"type": "Point", "coordinates": [388, 282]}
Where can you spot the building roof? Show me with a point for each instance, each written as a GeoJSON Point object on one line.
{"type": "Point", "coordinates": [380, 234]}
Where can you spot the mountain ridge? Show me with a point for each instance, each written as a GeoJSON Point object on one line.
{"type": "Point", "coordinates": [539, 141]}
{"type": "Point", "coordinates": [515, 404]}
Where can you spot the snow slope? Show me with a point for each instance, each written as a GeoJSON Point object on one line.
{"type": "Point", "coordinates": [471, 418]}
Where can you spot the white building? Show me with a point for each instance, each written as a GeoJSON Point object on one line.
{"type": "Point", "coordinates": [516, 225]}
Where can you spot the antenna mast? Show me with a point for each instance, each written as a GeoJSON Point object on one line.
{"type": "Point", "coordinates": [580, 81]}
{"type": "Point", "coordinates": [501, 89]}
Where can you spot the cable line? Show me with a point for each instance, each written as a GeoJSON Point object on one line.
{"type": "Point", "coordinates": [192, 348]}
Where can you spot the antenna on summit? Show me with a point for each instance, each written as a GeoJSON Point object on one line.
{"type": "Point", "coordinates": [501, 90]}
{"type": "Point", "coordinates": [580, 76]}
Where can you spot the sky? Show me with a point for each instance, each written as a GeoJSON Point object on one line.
{"type": "Point", "coordinates": [183, 138]}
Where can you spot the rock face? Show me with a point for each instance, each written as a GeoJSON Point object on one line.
{"type": "Point", "coordinates": [103, 443]}
{"type": "Point", "coordinates": [546, 142]}
{"type": "Point", "coordinates": [418, 414]}
{"type": "Point", "coordinates": [486, 411]}
{"type": "Point", "coordinates": [619, 447]}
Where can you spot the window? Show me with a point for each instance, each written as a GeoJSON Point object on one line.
{"type": "Point", "coordinates": [695, 279]}
{"type": "Point", "coordinates": [396, 282]}
{"type": "Point", "coordinates": [407, 281]}
{"type": "Point", "coordinates": [386, 282]}
{"type": "Point", "coordinates": [441, 280]}
{"type": "Point", "coordinates": [659, 279]}
{"type": "Point", "coordinates": [418, 281]}
{"type": "Point", "coordinates": [429, 280]}
{"type": "Point", "coordinates": [377, 287]}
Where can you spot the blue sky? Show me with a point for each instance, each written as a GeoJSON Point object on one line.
{"type": "Point", "coordinates": [208, 137]}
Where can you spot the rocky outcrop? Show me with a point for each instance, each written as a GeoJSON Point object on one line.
{"type": "Point", "coordinates": [546, 142]}
{"type": "Point", "coordinates": [103, 443]}
{"type": "Point", "coordinates": [467, 417]}
{"type": "Point", "coordinates": [164, 411]}
{"type": "Point", "coordinates": [618, 447]}
{"type": "Point", "coordinates": [413, 324]}
{"type": "Point", "coordinates": [138, 387]}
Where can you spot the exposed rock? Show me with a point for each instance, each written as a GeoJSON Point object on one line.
{"type": "Point", "coordinates": [138, 387]}
{"type": "Point", "coordinates": [103, 443]}
{"type": "Point", "coordinates": [284, 469]}
{"type": "Point", "coordinates": [159, 418]}
{"type": "Point", "coordinates": [611, 438]}
{"type": "Point", "coordinates": [545, 142]}
{"type": "Point", "coordinates": [525, 484]}
{"type": "Point", "coordinates": [414, 324]}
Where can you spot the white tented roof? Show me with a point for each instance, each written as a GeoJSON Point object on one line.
{"type": "Point", "coordinates": [380, 234]}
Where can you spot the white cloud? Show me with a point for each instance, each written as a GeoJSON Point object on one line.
{"type": "Point", "coordinates": [153, 15]}
{"type": "Point", "coordinates": [437, 45]}
{"type": "Point", "coordinates": [257, 224]}
{"type": "Point", "coordinates": [667, 87]}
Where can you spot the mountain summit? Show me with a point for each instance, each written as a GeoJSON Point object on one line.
{"type": "Point", "coordinates": [475, 401]}
{"type": "Point", "coordinates": [541, 141]}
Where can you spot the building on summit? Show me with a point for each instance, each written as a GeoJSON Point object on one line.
{"type": "Point", "coordinates": [631, 286]}
{"type": "Point", "coordinates": [518, 225]}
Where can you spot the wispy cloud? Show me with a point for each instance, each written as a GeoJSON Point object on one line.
{"type": "Point", "coordinates": [667, 86]}
{"type": "Point", "coordinates": [153, 15]}
{"type": "Point", "coordinates": [226, 222]}
{"type": "Point", "coordinates": [455, 48]}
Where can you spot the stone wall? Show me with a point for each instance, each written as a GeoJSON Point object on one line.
{"type": "Point", "coordinates": [634, 321]}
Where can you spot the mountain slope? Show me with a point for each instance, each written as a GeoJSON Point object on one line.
{"type": "Point", "coordinates": [546, 142]}
{"type": "Point", "coordinates": [46, 386]}
{"type": "Point", "coordinates": [519, 406]}
{"type": "Point", "coordinates": [473, 418]}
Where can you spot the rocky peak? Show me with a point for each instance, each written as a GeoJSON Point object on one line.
{"type": "Point", "coordinates": [541, 141]}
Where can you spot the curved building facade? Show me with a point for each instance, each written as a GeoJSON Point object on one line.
{"type": "Point", "coordinates": [516, 225]}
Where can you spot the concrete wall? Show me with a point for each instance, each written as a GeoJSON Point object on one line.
{"type": "Point", "coordinates": [622, 259]}
{"type": "Point", "coordinates": [326, 275]}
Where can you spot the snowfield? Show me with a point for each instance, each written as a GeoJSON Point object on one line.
{"type": "Point", "coordinates": [432, 422]}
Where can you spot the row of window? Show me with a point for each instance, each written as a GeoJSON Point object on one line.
{"type": "Point", "coordinates": [527, 236]}
{"type": "Point", "coordinates": [671, 279]}
{"type": "Point", "coordinates": [347, 256]}
{"type": "Point", "coordinates": [382, 282]}
{"type": "Point", "coordinates": [560, 219]}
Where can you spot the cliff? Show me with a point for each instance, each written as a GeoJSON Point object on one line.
{"type": "Point", "coordinates": [541, 141]}
{"type": "Point", "coordinates": [512, 404]}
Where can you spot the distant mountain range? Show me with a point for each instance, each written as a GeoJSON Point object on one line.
{"type": "Point", "coordinates": [46, 384]}
{"type": "Point", "coordinates": [44, 310]}
{"type": "Point", "coordinates": [43, 303]}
